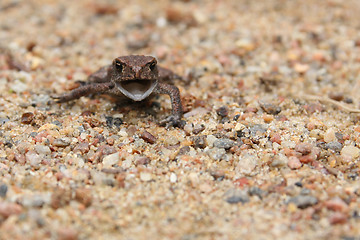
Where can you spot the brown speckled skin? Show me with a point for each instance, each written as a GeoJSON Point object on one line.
{"type": "Point", "coordinates": [124, 70]}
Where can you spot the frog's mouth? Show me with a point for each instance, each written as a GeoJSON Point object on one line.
{"type": "Point", "coordinates": [137, 90]}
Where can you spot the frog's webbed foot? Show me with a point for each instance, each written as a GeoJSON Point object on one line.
{"type": "Point", "coordinates": [172, 121]}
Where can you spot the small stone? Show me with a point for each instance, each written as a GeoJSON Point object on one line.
{"type": "Point", "coordinates": [27, 118]}
{"type": "Point", "coordinates": [33, 158]}
{"type": "Point", "coordinates": [145, 176]}
{"type": "Point", "coordinates": [304, 148]}
{"type": "Point", "coordinates": [8, 209]}
{"type": "Point", "coordinates": [351, 151]}
{"type": "Point", "coordinates": [338, 218]}
{"type": "Point", "coordinates": [3, 190]}
{"type": "Point", "coordinates": [194, 179]}
{"type": "Point", "coordinates": [84, 196]}
{"type": "Point", "coordinates": [173, 178]}
{"type": "Point", "coordinates": [270, 108]}
{"type": "Point", "coordinates": [111, 160]}
{"type": "Point", "coordinates": [222, 111]}
{"type": "Point", "coordinates": [199, 141]}
{"type": "Point", "coordinates": [224, 143]}
{"type": "Point", "coordinates": [198, 128]}
{"type": "Point", "coordinates": [257, 130]}
{"type": "Point", "coordinates": [246, 164]}
{"type": "Point", "coordinates": [41, 149]}
{"type": "Point", "coordinates": [82, 148]}
{"type": "Point", "coordinates": [234, 196]}
{"type": "Point", "coordinates": [142, 160]}
{"type": "Point", "coordinates": [337, 96]}
{"type": "Point", "coordinates": [329, 135]}
{"type": "Point", "coordinates": [148, 137]}
{"type": "Point", "coordinates": [62, 142]}
{"type": "Point", "coordinates": [183, 150]}
{"type": "Point", "coordinates": [335, 146]}
{"type": "Point", "coordinates": [210, 139]}
{"type": "Point", "coordinates": [60, 198]}
{"type": "Point", "coordinates": [205, 188]}
{"type": "Point", "coordinates": [255, 191]}
{"type": "Point", "coordinates": [336, 204]}
{"type": "Point", "coordinates": [301, 68]}
{"type": "Point", "coordinates": [303, 201]}
{"type": "Point", "coordinates": [67, 234]}
{"type": "Point", "coordinates": [294, 163]}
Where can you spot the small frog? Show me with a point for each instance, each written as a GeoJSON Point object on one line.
{"type": "Point", "coordinates": [135, 77]}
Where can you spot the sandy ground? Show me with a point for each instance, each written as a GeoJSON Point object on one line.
{"type": "Point", "coordinates": [270, 149]}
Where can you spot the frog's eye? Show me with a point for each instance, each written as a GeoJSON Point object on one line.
{"type": "Point", "coordinates": [152, 66]}
{"type": "Point", "coordinates": [119, 65]}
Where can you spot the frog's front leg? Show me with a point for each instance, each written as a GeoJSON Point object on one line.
{"type": "Point", "coordinates": [177, 110]}
{"type": "Point", "coordinates": [84, 90]}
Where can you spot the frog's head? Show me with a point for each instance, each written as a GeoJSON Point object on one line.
{"type": "Point", "coordinates": [135, 76]}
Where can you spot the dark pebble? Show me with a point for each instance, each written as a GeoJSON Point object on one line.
{"type": "Point", "coordinates": [303, 201]}
{"type": "Point", "coordinates": [198, 128]}
{"type": "Point", "coordinates": [270, 108]}
{"type": "Point", "coordinates": [61, 142]}
{"type": "Point", "coordinates": [148, 137]}
{"type": "Point", "coordinates": [257, 129]}
{"type": "Point", "coordinates": [110, 121]}
{"type": "Point", "coordinates": [236, 117]}
{"type": "Point", "coordinates": [222, 111]}
{"type": "Point", "coordinates": [224, 143]}
{"type": "Point", "coordinates": [255, 191]}
{"type": "Point", "coordinates": [337, 96]}
{"type": "Point", "coordinates": [199, 141]}
{"type": "Point", "coordinates": [142, 161]}
{"type": "Point", "coordinates": [27, 118]}
{"type": "Point", "coordinates": [183, 150]}
{"type": "Point", "coordinates": [3, 190]}
{"type": "Point", "coordinates": [335, 146]}
{"type": "Point", "coordinates": [236, 195]}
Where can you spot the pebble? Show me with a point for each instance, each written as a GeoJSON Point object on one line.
{"type": "Point", "coordinates": [173, 178]}
{"type": "Point", "coordinates": [27, 118]}
{"type": "Point", "coordinates": [336, 204]}
{"type": "Point", "coordinates": [303, 201]}
{"type": "Point", "coordinates": [217, 154]}
{"type": "Point", "coordinates": [7, 209]}
{"type": "Point", "coordinates": [141, 160]}
{"type": "Point", "coordinates": [329, 135]}
{"type": "Point", "coordinates": [3, 190]}
{"type": "Point", "coordinates": [198, 128]}
{"type": "Point", "coordinates": [246, 164]}
{"type": "Point", "coordinates": [111, 160]}
{"type": "Point", "coordinates": [235, 195]}
{"type": "Point", "coordinates": [335, 146]}
{"type": "Point", "coordinates": [62, 142]}
{"type": "Point", "coordinates": [255, 191]}
{"type": "Point", "coordinates": [304, 148]}
{"type": "Point", "coordinates": [67, 234]}
{"type": "Point", "coordinates": [33, 158]}
{"type": "Point", "coordinates": [270, 108]}
{"type": "Point", "coordinates": [351, 151]}
{"type": "Point", "coordinates": [41, 149]}
{"type": "Point", "coordinates": [338, 218]}
{"type": "Point", "coordinates": [294, 163]}
{"type": "Point", "coordinates": [257, 129]}
{"type": "Point", "coordinates": [84, 196]}
{"type": "Point", "coordinates": [222, 111]}
{"type": "Point", "coordinates": [199, 141]}
{"type": "Point", "coordinates": [224, 143]}
{"type": "Point", "coordinates": [146, 176]}
{"type": "Point", "coordinates": [148, 137]}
